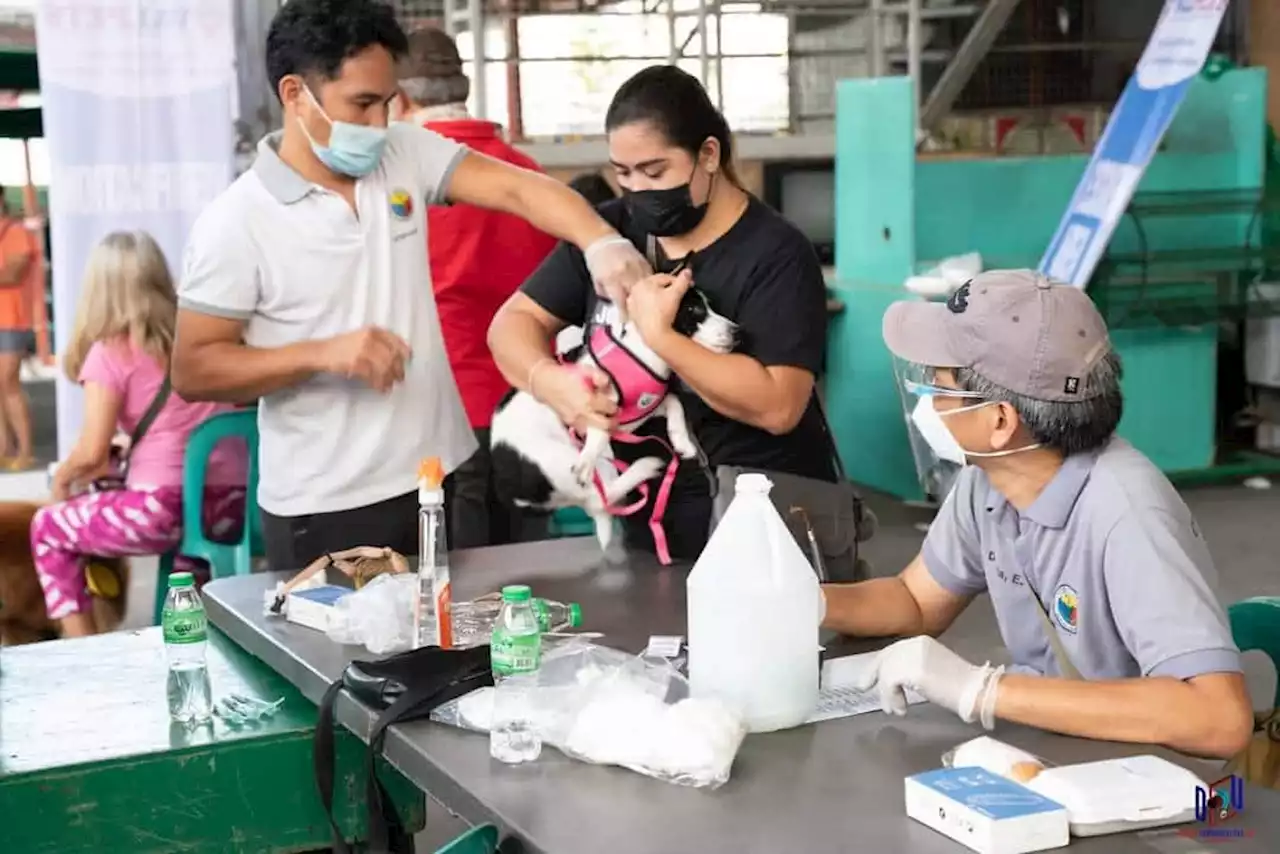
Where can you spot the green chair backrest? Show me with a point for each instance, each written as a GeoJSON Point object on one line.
{"type": "Point", "coordinates": [478, 840]}
{"type": "Point", "coordinates": [224, 558]}
{"type": "Point", "coordinates": [1255, 624]}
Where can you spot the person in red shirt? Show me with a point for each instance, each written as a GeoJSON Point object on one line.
{"type": "Point", "coordinates": [478, 259]}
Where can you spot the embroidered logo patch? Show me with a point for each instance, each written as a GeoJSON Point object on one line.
{"type": "Point", "coordinates": [401, 204]}
{"type": "Point", "coordinates": [959, 301]}
{"type": "Point", "coordinates": [1066, 608]}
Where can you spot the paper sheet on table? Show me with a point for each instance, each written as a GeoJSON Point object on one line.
{"type": "Point", "coordinates": [837, 697]}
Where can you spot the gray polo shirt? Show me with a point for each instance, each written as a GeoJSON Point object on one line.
{"type": "Point", "coordinates": [1113, 553]}
{"type": "Point", "coordinates": [295, 263]}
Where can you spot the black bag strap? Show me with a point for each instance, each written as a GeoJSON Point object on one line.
{"type": "Point", "coordinates": [386, 832]}
{"type": "Point", "coordinates": [831, 439]}
{"type": "Point", "coordinates": [323, 760]}
{"type": "Point", "coordinates": [144, 423]}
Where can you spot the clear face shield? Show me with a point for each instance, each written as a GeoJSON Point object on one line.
{"type": "Point", "coordinates": [938, 457]}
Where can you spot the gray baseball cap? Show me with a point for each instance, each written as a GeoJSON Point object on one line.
{"type": "Point", "coordinates": [1017, 328]}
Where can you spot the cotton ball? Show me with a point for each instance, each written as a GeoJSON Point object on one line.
{"type": "Point", "coordinates": [698, 741]}
{"type": "Point", "coordinates": [617, 726]}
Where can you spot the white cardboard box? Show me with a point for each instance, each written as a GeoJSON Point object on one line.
{"type": "Point", "coordinates": [313, 607]}
{"type": "Point", "coordinates": [986, 813]}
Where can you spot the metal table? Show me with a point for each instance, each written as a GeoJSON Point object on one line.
{"type": "Point", "coordinates": [827, 787]}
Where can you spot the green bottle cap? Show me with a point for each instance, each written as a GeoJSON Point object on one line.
{"type": "Point", "coordinates": [516, 593]}
{"type": "Point", "coordinates": [575, 615]}
{"type": "Point", "coordinates": [182, 579]}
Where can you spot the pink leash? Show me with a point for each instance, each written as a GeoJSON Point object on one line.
{"type": "Point", "coordinates": [664, 489]}
{"type": "Point", "coordinates": [659, 502]}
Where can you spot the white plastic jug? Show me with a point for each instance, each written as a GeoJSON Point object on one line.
{"type": "Point", "coordinates": [753, 605]}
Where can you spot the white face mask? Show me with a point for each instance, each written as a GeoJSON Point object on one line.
{"type": "Point", "coordinates": [934, 431]}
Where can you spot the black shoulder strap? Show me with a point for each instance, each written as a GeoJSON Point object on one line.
{"type": "Point", "coordinates": [831, 439]}
{"type": "Point", "coordinates": [148, 418]}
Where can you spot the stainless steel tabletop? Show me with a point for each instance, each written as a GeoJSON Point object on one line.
{"type": "Point", "coordinates": [836, 786]}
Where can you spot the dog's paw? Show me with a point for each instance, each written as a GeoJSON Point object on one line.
{"type": "Point", "coordinates": [646, 468]}
{"type": "Point", "coordinates": [684, 447]}
{"type": "Point", "coordinates": [583, 469]}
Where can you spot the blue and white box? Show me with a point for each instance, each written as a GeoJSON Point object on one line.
{"type": "Point", "coordinates": [314, 607]}
{"type": "Point", "coordinates": [985, 812]}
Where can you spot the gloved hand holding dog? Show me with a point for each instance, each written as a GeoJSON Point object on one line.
{"type": "Point", "coordinates": [615, 265]}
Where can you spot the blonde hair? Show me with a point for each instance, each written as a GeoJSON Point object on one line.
{"type": "Point", "coordinates": [127, 295]}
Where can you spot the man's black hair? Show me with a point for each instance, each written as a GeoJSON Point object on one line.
{"type": "Point", "coordinates": [314, 37]}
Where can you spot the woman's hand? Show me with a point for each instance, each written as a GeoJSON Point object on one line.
{"type": "Point", "coordinates": [578, 395]}
{"type": "Point", "coordinates": [60, 487]}
{"type": "Point", "coordinates": [654, 301]}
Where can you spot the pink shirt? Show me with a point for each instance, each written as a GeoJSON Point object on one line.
{"type": "Point", "coordinates": [157, 461]}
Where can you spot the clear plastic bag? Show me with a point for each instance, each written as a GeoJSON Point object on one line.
{"type": "Point", "coordinates": [378, 616]}
{"type": "Point", "coordinates": [606, 707]}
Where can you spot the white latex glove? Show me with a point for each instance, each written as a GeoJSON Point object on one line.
{"type": "Point", "coordinates": [938, 674]}
{"type": "Point", "coordinates": [615, 265]}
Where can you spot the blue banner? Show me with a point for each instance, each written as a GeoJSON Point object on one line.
{"type": "Point", "coordinates": [138, 98]}
{"type": "Point", "coordinates": [1173, 57]}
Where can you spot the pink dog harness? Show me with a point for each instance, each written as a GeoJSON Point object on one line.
{"type": "Point", "coordinates": [639, 390]}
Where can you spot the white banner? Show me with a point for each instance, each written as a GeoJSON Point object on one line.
{"type": "Point", "coordinates": [138, 98]}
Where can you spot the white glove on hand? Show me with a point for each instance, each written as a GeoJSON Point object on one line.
{"type": "Point", "coordinates": [940, 675]}
{"type": "Point", "coordinates": [615, 265]}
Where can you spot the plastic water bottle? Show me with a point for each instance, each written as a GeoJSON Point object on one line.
{"type": "Point", "coordinates": [516, 654]}
{"type": "Point", "coordinates": [186, 639]}
{"type": "Point", "coordinates": [473, 621]}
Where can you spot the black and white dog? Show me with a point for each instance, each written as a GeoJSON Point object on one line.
{"type": "Point", "coordinates": [538, 462]}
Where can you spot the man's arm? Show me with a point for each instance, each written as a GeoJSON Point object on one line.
{"type": "Point", "coordinates": [539, 199]}
{"type": "Point", "coordinates": [211, 361]}
{"type": "Point", "coordinates": [1209, 715]}
{"type": "Point", "coordinates": [912, 603]}
{"type": "Point", "coordinates": [1192, 695]}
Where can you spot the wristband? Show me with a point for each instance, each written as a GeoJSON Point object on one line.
{"type": "Point", "coordinates": [601, 242]}
{"type": "Point", "coordinates": [533, 374]}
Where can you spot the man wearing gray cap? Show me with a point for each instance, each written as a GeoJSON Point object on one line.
{"type": "Point", "coordinates": [1102, 585]}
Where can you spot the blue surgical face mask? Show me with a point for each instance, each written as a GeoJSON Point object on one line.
{"type": "Point", "coordinates": [353, 150]}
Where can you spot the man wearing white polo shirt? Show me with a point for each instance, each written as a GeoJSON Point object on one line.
{"type": "Point", "coordinates": [1101, 584]}
{"type": "Point", "coordinates": [306, 285]}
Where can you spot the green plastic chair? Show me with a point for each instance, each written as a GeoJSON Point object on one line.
{"type": "Point", "coordinates": [478, 840]}
{"type": "Point", "coordinates": [1255, 624]}
{"type": "Point", "coordinates": [224, 558]}
{"type": "Point", "coordinates": [571, 522]}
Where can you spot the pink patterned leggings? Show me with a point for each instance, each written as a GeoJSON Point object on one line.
{"type": "Point", "coordinates": [122, 523]}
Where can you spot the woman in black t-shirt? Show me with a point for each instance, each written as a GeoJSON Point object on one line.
{"type": "Point", "coordinates": [671, 151]}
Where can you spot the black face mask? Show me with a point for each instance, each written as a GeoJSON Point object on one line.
{"type": "Point", "coordinates": [665, 213]}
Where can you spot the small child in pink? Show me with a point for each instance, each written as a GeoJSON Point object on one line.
{"type": "Point", "coordinates": [119, 353]}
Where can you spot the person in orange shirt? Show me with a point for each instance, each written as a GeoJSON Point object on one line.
{"type": "Point", "coordinates": [17, 341]}
{"type": "Point", "coordinates": [478, 259]}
